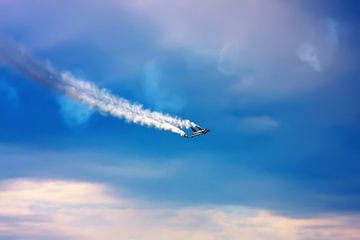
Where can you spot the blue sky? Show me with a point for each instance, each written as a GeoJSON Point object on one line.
{"type": "Point", "coordinates": [277, 83]}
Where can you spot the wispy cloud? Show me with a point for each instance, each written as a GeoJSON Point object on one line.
{"type": "Point", "coordinates": [95, 164]}
{"type": "Point", "coordinates": [74, 113]}
{"type": "Point", "coordinates": [8, 92]}
{"type": "Point", "coordinates": [333, 31]}
{"type": "Point", "coordinates": [258, 124]}
{"type": "Point", "coordinates": [307, 54]}
{"type": "Point", "coordinates": [136, 170]}
{"type": "Point", "coordinates": [48, 209]}
{"type": "Point", "coordinates": [155, 94]}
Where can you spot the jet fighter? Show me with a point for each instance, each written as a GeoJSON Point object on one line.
{"type": "Point", "coordinates": [197, 131]}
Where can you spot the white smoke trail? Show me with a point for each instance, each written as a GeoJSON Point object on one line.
{"type": "Point", "coordinates": [86, 92]}
{"type": "Point", "coordinates": [105, 102]}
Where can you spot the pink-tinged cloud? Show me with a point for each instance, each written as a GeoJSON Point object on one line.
{"type": "Point", "coordinates": [259, 42]}
{"type": "Point", "coordinates": [48, 209]}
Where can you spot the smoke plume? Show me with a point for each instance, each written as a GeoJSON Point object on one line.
{"type": "Point", "coordinates": [88, 93]}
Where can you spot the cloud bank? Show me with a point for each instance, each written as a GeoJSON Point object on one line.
{"type": "Point", "coordinates": [48, 209]}
{"type": "Point", "coordinates": [264, 45]}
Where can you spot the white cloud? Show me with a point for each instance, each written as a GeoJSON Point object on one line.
{"type": "Point", "coordinates": [48, 209]}
{"type": "Point", "coordinates": [307, 54]}
{"type": "Point", "coordinates": [320, 51]}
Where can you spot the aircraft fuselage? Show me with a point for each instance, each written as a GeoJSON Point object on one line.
{"type": "Point", "coordinates": [198, 131]}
